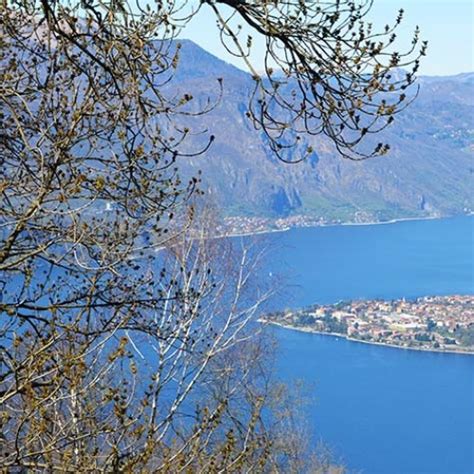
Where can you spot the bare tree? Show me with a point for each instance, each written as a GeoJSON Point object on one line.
{"type": "Point", "coordinates": [172, 386]}
{"type": "Point", "coordinates": [327, 70]}
{"type": "Point", "coordinates": [126, 330]}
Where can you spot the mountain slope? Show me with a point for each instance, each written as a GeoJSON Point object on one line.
{"type": "Point", "coordinates": [428, 172]}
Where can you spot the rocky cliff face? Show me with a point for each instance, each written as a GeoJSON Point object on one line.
{"type": "Point", "coordinates": [427, 173]}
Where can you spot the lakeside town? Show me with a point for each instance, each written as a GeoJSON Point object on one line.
{"type": "Point", "coordinates": [433, 323]}
{"type": "Point", "coordinates": [242, 225]}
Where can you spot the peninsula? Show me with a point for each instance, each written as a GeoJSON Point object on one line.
{"type": "Point", "coordinates": [433, 323]}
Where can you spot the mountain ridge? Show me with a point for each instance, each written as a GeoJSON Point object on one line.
{"type": "Point", "coordinates": [427, 174]}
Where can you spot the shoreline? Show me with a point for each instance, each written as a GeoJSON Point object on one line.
{"type": "Point", "coordinates": [374, 343]}
{"type": "Point", "coordinates": [344, 224]}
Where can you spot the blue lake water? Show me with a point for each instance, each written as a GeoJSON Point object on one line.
{"type": "Point", "coordinates": [383, 410]}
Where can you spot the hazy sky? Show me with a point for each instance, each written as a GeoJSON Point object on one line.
{"type": "Point", "coordinates": [448, 25]}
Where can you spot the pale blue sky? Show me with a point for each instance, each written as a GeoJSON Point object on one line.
{"type": "Point", "coordinates": [446, 24]}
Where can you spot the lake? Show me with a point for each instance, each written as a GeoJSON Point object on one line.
{"type": "Point", "coordinates": [382, 410]}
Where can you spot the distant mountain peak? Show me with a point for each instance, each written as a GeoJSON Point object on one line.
{"type": "Point", "coordinates": [196, 62]}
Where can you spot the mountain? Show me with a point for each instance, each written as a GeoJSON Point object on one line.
{"type": "Point", "coordinates": [427, 173]}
